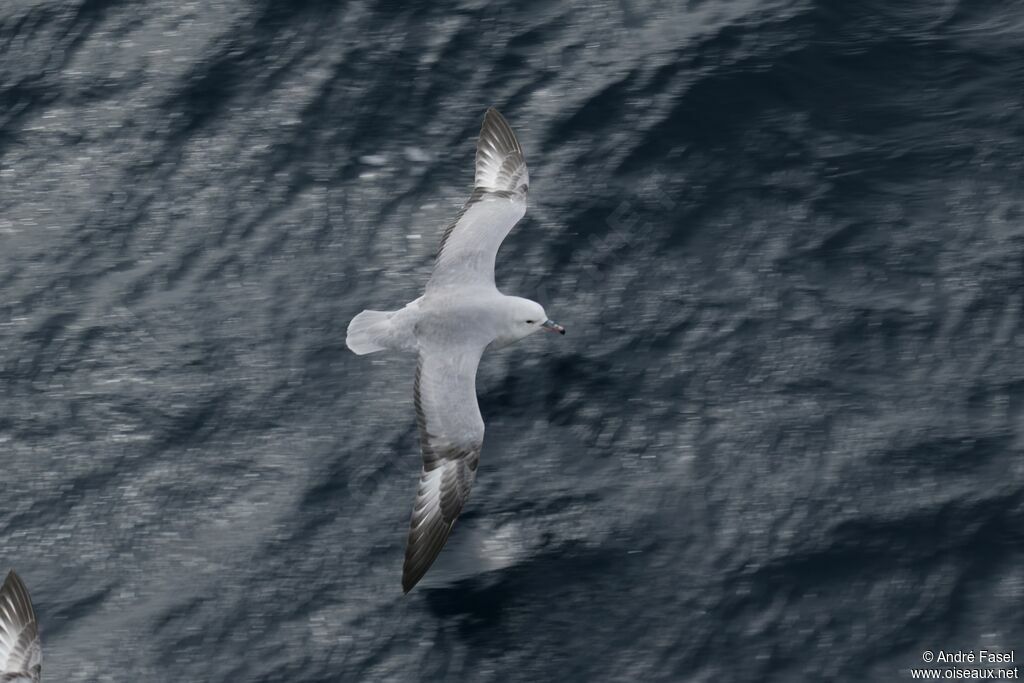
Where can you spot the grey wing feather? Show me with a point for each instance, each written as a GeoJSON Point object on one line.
{"type": "Point", "coordinates": [500, 166]}
{"type": "Point", "coordinates": [20, 649]}
{"type": "Point", "coordinates": [451, 436]}
{"type": "Point", "coordinates": [471, 241]}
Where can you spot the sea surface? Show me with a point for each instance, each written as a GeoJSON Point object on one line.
{"type": "Point", "coordinates": [783, 439]}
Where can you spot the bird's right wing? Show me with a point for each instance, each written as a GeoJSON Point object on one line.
{"type": "Point", "coordinates": [451, 436]}
{"type": "Point", "coordinates": [470, 244]}
{"type": "Point", "coordinates": [20, 650]}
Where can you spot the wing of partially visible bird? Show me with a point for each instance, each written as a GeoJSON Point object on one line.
{"type": "Point", "coordinates": [470, 243]}
{"type": "Point", "coordinates": [20, 650]}
{"type": "Point", "coordinates": [451, 436]}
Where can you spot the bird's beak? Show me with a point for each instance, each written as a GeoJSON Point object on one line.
{"type": "Point", "coordinates": [552, 326]}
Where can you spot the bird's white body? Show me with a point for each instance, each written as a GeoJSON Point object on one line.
{"type": "Point", "coordinates": [460, 314]}
{"type": "Point", "coordinates": [485, 316]}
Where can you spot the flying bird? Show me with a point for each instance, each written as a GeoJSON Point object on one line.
{"type": "Point", "coordinates": [460, 314]}
{"type": "Point", "coordinates": [21, 655]}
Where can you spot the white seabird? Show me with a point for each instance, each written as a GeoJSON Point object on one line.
{"type": "Point", "coordinates": [459, 315]}
{"type": "Point", "coordinates": [21, 654]}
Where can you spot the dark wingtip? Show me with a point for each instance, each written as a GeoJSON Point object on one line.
{"type": "Point", "coordinates": [14, 585]}
{"type": "Point", "coordinates": [16, 593]}
{"type": "Point", "coordinates": [412, 573]}
{"type": "Point", "coordinates": [498, 130]}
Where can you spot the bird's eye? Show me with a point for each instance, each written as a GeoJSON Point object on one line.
{"type": "Point", "coordinates": [529, 322]}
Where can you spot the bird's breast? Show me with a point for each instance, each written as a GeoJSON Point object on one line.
{"type": "Point", "coordinates": [449, 318]}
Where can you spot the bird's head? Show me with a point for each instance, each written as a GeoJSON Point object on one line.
{"type": "Point", "coordinates": [523, 318]}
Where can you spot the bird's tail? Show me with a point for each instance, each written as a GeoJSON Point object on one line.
{"type": "Point", "coordinates": [371, 331]}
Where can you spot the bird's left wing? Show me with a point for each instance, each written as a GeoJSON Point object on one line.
{"type": "Point", "coordinates": [451, 436]}
{"type": "Point", "coordinates": [20, 650]}
{"type": "Point", "coordinates": [498, 201]}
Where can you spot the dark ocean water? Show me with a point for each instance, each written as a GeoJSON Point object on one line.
{"type": "Point", "coordinates": [782, 440]}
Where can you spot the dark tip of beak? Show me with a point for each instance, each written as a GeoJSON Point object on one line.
{"type": "Point", "coordinates": [553, 326]}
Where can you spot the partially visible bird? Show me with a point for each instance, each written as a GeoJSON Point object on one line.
{"type": "Point", "coordinates": [21, 653]}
